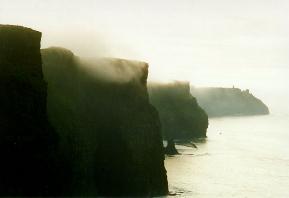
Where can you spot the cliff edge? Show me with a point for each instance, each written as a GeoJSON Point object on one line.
{"type": "Point", "coordinates": [110, 135]}
{"type": "Point", "coordinates": [181, 116]}
{"type": "Point", "coordinates": [27, 140]}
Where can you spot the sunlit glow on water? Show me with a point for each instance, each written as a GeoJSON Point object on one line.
{"type": "Point", "coordinates": [242, 157]}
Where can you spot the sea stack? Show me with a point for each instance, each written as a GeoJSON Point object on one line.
{"type": "Point", "coordinates": [27, 140]}
{"type": "Point", "coordinates": [170, 149]}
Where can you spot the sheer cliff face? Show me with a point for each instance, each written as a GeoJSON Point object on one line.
{"type": "Point", "coordinates": [181, 116]}
{"type": "Point", "coordinates": [26, 138]}
{"type": "Point", "coordinates": [110, 134]}
{"type": "Point", "coordinates": [229, 102]}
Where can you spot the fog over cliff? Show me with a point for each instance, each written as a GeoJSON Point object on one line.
{"type": "Point", "coordinates": [209, 43]}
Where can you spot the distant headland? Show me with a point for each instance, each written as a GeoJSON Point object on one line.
{"type": "Point", "coordinates": [218, 102]}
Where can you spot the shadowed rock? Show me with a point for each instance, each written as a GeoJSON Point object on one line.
{"type": "Point", "coordinates": [170, 149]}
{"type": "Point", "coordinates": [180, 114]}
{"type": "Point", "coordinates": [27, 141]}
{"type": "Point", "coordinates": [109, 133]}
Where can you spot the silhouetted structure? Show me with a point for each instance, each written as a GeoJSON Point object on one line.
{"type": "Point", "coordinates": [27, 141]}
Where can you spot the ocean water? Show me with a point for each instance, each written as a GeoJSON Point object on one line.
{"type": "Point", "coordinates": [242, 157]}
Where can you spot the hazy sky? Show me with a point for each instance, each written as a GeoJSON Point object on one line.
{"type": "Point", "coordinates": [209, 42]}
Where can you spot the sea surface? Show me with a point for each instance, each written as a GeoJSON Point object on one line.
{"type": "Point", "coordinates": [241, 157]}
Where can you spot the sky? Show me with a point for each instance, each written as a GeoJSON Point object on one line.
{"type": "Point", "coordinates": [244, 43]}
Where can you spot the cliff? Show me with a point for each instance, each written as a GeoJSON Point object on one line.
{"type": "Point", "coordinates": [181, 116]}
{"type": "Point", "coordinates": [27, 140]}
{"type": "Point", "coordinates": [229, 102]}
{"type": "Point", "coordinates": [110, 135]}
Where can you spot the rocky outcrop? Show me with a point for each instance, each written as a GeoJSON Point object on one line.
{"type": "Point", "coordinates": [110, 135]}
{"type": "Point", "coordinates": [229, 102]}
{"type": "Point", "coordinates": [181, 116]}
{"type": "Point", "coordinates": [27, 140]}
{"type": "Point", "coordinates": [170, 148]}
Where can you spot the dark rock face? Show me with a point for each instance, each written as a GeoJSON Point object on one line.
{"type": "Point", "coordinates": [229, 102]}
{"type": "Point", "coordinates": [170, 149]}
{"type": "Point", "coordinates": [27, 141]}
{"type": "Point", "coordinates": [110, 136]}
{"type": "Point", "coordinates": [181, 116]}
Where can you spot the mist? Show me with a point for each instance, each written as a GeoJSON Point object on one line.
{"type": "Point", "coordinates": [225, 43]}
{"type": "Point", "coordinates": [113, 69]}
{"type": "Point", "coordinates": [144, 98]}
